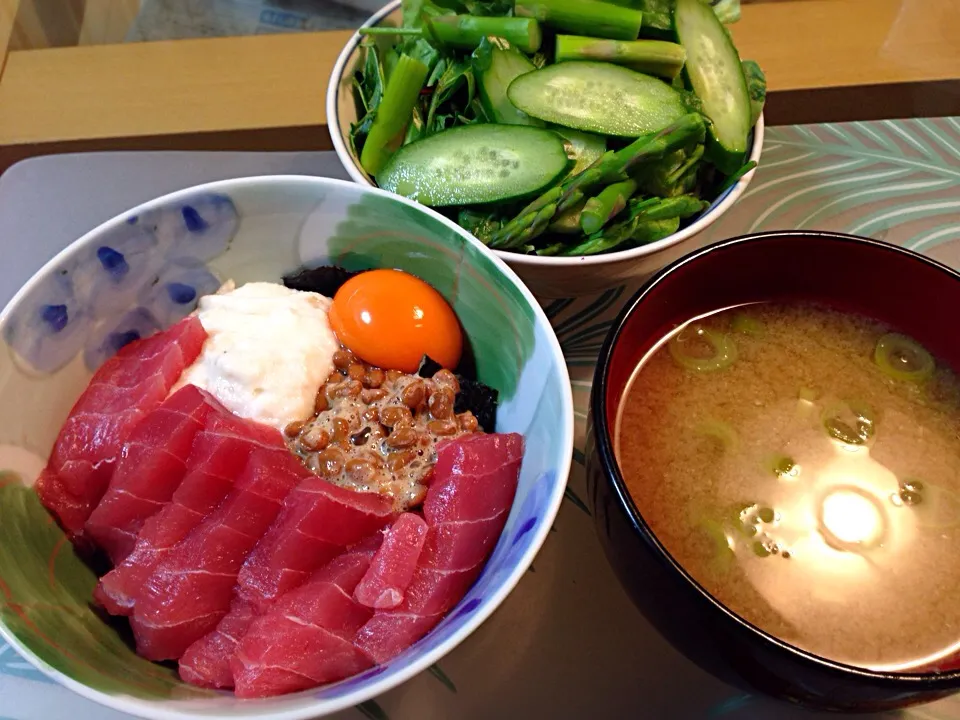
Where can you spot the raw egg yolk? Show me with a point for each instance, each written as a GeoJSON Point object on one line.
{"type": "Point", "coordinates": [391, 319]}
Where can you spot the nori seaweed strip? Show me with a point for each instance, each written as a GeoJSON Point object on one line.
{"type": "Point", "coordinates": [325, 280]}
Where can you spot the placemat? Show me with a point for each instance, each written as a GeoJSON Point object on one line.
{"type": "Point", "coordinates": [567, 643]}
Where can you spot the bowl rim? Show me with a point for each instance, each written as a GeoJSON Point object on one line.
{"type": "Point", "coordinates": [611, 470]}
{"type": "Point", "coordinates": [717, 208]}
{"type": "Point", "coordinates": [307, 707]}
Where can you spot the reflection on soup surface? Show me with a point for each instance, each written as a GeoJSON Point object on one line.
{"type": "Point", "coordinates": [803, 465]}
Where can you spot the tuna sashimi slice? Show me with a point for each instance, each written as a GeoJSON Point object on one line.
{"type": "Point", "coordinates": [319, 520]}
{"type": "Point", "coordinates": [220, 453]}
{"type": "Point", "coordinates": [391, 571]}
{"type": "Point", "coordinates": [206, 663]}
{"type": "Point", "coordinates": [474, 482]}
{"type": "Point", "coordinates": [305, 639]}
{"type": "Point", "coordinates": [152, 464]}
{"type": "Point", "coordinates": [191, 590]}
{"type": "Point", "coordinates": [125, 388]}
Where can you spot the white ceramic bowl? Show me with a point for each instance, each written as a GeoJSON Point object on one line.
{"type": "Point", "coordinates": [547, 277]}
{"type": "Point", "coordinates": [249, 229]}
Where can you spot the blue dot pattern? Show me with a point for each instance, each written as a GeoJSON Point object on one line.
{"type": "Point", "coordinates": [113, 262]}
{"type": "Point", "coordinates": [56, 316]}
{"type": "Point", "coordinates": [181, 293]}
{"type": "Point", "coordinates": [148, 272]}
{"type": "Point", "coordinates": [193, 220]}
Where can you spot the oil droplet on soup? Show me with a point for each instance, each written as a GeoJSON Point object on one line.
{"type": "Point", "coordinates": [807, 474]}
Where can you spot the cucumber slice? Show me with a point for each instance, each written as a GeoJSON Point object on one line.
{"type": "Point", "coordinates": [713, 71]}
{"type": "Point", "coordinates": [583, 148]}
{"type": "Point", "coordinates": [496, 64]}
{"type": "Point", "coordinates": [597, 97]}
{"type": "Point", "coordinates": [476, 164]}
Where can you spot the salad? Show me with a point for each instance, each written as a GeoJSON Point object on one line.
{"type": "Point", "coordinates": [558, 127]}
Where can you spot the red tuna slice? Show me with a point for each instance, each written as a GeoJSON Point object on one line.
{"type": "Point", "coordinates": [474, 482]}
{"type": "Point", "coordinates": [125, 388]}
{"type": "Point", "coordinates": [190, 591]}
{"type": "Point", "coordinates": [393, 566]}
{"type": "Point", "coordinates": [206, 663]}
{"type": "Point", "coordinates": [151, 467]}
{"type": "Point", "coordinates": [305, 639]}
{"type": "Point", "coordinates": [318, 522]}
{"type": "Point", "coordinates": [220, 453]}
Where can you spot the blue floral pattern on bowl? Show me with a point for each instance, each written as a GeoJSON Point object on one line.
{"type": "Point", "coordinates": [142, 275]}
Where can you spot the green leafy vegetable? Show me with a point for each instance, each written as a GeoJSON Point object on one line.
{"type": "Point", "coordinates": [456, 74]}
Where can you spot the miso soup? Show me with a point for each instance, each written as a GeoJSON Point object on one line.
{"type": "Point", "coordinates": [803, 465]}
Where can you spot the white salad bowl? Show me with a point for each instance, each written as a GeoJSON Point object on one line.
{"type": "Point", "coordinates": [547, 277]}
{"type": "Point", "coordinates": [78, 308]}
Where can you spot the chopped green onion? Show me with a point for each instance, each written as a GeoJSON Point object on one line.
{"type": "Point", "coordinates": [688, 348]}
{"type": "Point", "coordinates": [902, 358]}
{"type": "Point", "coordinates": [743, 323]}
{"type": "Point", "coordinates": [720, 431]}
{"type": "Point", "coordinates": [934, 506]}
{"type": "Point", "coordinates": [850, 423]}
{"type": "Point", "coordinates": [721, 544]}
{"type": "Point", "coordinates": [783, 466]}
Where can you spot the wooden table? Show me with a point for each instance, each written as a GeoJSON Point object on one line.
{"type": "Point", "coordinates": [69, 83]}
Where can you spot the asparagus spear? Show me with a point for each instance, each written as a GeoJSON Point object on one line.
{"type": "Point", "coordinates": [611, 167]}
{"type": "Point", "coordinates": [394, 113]}
{"type": "Point", "coordinates": [599, 19]}
{"type": "Point", "coordinates": [640, 211]}
{"type": "Point", "coordinates": [756, 87]}
{"type": "Point", "coordinates": [466, 31]}
{"type": "Point", "coordinates": [606, 204]}
{"type": "Point", "coordinates": [674, 175]}
{"type": "Point", "coordinates": [652, 230]}
{"type": "Point", "coordinates": [568, 222]}
{"type": "Point", "coordinates": [655, 57]}
{"type": "Point", "coordinates": [496, 64]}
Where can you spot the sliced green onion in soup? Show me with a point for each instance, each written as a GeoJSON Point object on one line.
{"type": "Point", "coordinates": [743, 323]}
{"type": "Point", "coordinates": [933, 506]}
{"type": "Point", "coordinates": [720, 431]}
{"type": "Point", "coordinates": [783, 466]}
{"type": "Point", "coordinates": [702, 350]}
{"type": "Point", "coordinates": [852, 423]}
{"type": "Point", "coordinates": [902, 358]}
{"type": "Point", "coordinates": [721, 545]}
